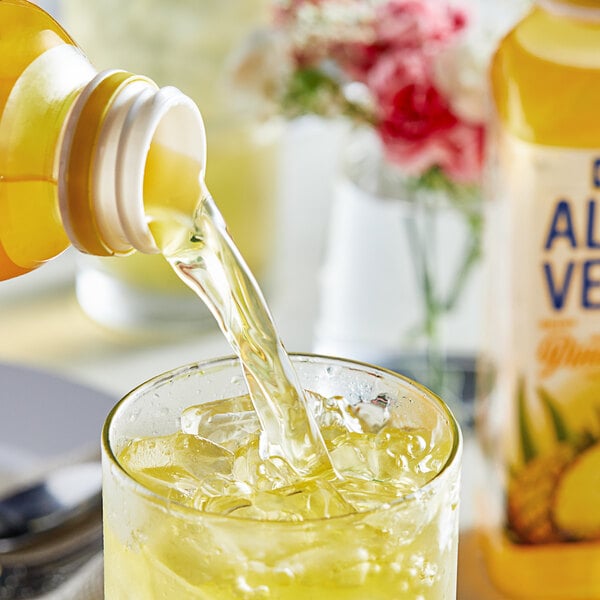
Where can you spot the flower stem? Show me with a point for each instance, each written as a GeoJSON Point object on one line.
{"type": "Point", "coordinates": [421, 235]}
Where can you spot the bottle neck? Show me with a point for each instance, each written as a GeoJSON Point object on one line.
{"type": "Point", "coordinates": [587, 10]}
{"type": "Point", "coordinates": [105, 146]}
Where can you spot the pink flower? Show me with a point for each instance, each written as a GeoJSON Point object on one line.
{"type": "Point", "coordinates": [416, 124]}
{"type": "Point", "coordinates": [391, 47]}
{"type": "Point", "coordinates": [412, 24]}
{"type": "Point", "coordinates": [419, 25]}
{"type": "Point", "coordinates": [410, 108]}
{"type": "Point", "coordinates": [464, 146]}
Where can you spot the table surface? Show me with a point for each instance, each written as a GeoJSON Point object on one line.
{"type": "Point", "coordinates": [42, 325]}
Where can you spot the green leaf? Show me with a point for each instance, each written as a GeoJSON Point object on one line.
{"type": "Point", "coordinates": [561, 432]}
{"type": "Point", "coordinates": [466, 198]}
{"type": "Point", "coordinates": [528, 448]}
{"type": "Point", "coordinates": [310, 91]}
{"type": "Point", "coordinates": [319, 90]}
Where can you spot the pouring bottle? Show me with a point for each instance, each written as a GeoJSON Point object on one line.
{"type": "Point", "coordinates": [85, 156]}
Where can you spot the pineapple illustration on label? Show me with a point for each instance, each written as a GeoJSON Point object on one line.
{"type": "Point", "coordinates": [555, 495]}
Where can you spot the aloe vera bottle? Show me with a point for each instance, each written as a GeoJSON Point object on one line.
{"type": "Point", "coordinates": [540, 385]}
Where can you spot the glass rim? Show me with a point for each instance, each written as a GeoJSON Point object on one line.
{"type": "Point", "coordinates": [231, 360]}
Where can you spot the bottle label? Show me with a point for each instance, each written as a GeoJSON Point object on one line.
{"type": "Point", "coordinates": [545, 232]}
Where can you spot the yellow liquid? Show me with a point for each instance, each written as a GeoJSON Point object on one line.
{"type": "Point", "coordinates": [284, 538]}
{"type": "Point", "coordinates": [546, 87]}
{"type": "Point", "coordinates": [206, 259]}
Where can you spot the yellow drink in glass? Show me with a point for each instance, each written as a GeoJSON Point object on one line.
{"type": "Point", "coordinates": [191, 511]}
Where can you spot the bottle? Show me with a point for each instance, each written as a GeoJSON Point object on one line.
{"type": "Point", "coordinates": [85, 156]}
{"type": "Point", "coordinates": [539, 397]}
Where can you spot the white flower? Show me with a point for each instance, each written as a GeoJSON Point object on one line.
{"type": "Point", "coordinates": [341, 20]}
{"type": "Point", "coordinates": [460, 73]}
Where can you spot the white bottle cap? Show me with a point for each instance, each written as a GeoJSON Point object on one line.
{"type": "Point", "coordinates": [108, 135]}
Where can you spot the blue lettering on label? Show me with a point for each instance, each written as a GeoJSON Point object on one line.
{"type": "Point", "coordinates": [591, 225]}
{"type": "Point", "coordinates": [561, 226]}
{"type": "Point", "coordinates": [591, 283]}
{"type": "Point", "coordinates": [558, 291]}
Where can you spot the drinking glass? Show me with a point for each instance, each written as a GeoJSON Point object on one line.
{"type": "Point", "coordinates": [158, 548]}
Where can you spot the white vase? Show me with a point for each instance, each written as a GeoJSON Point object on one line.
{"type": "Point", "coordinates": [400, 282]}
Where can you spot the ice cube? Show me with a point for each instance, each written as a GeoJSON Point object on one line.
{"type": "Point", "coordinates": [372, 415]}
{"type": "Point", "coordinates": [350, 453]}
{"type": "Point", "coordinates": [309, 499]}
{"type": "Point", "coordinates": [368, 495]}
{"type": "Point", "coordinates": [217, 484]}
{"type": "Point", "coordinates": [432, 461]}
{"type": "Point", "coordinates": [399, 456]}
{"type": "Point", "coordinates": [417, 450]}
{"type": "Point", "coordinates": [333, 412]}
{"type": "Point", "coordinates": [225, 422]}
{"type": "Point", "coordinates": [173, 465]}
{"type": "Point", "coordinates": [332, 433]}
{"type": "Point", "coordinates": [261, 474]}
{"type": "Point", "coordinates": [225, 505]}
{"type": "Point", "coordinates": [366, 456]}
{"type": "Point", "coordinates": [328, 561]}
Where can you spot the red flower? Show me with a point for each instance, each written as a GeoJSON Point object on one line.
{"type": "Point", "coordinates": [418, 129]}
{"type": "Point", "coordinates": [393, 54]}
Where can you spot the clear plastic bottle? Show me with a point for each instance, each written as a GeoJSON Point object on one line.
{"type": "Point", "coordinates": [86, 158]}
{"type": "Point", "coordinates": [539, 419]}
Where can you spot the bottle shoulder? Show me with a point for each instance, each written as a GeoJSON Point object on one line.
{"type": "Point", "coordinates": [26, 32]}
{"type": "Point", "coordinates": [545, 80]}
{"type": "Point", "coordinates": [28, 29]}
{"type": "Point", "coordinates": [557, 39]}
